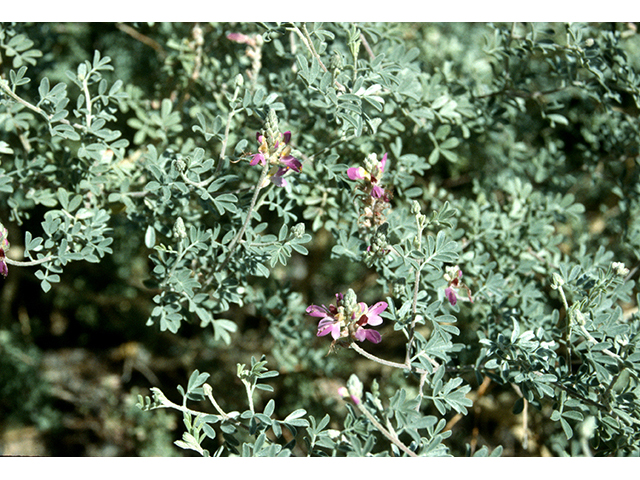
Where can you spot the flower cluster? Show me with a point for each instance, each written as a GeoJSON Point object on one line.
{"type": "Point", "coordinates": [371, 173]}
{"type": "Point", "coordinates": [348, 318]}
{"type": "Point", "coordinates": [253, 52]}
{"type": "Point", "coordinates": [275, 150]}
{"type": "Point", "coordinates": [453, 275]}
{"type": "Point", "coordinates": [4, 245]}
{"type": "Point", "coordinates": [376, 199]}
{"type": "Point", "coordinates": [279, 155]}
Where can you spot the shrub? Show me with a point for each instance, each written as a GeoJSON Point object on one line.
{"type": "Point", "coordinates": [455, 205]}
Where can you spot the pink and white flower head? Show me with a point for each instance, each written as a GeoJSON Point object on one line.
{"type": "Point", "coordinates": [277, 154]}
{"type": "Point", "coordinates": [371, 173]}
{"type": "Point", "coordinates": [453, 275]}
{"type": "Point", "coordinates": [335, 320]}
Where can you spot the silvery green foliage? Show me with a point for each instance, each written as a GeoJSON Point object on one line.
{"type": "Point", "coordinates": [495, 165]}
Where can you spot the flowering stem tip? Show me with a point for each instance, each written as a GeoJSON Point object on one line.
{"type": "Point", "coordinates": [348, 318]}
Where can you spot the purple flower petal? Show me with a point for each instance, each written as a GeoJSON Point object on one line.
{"type": "Point", "coordinates": [317, 311]}
{"type": "Point", "coordinates": [451, 295]}
{"type": "Point", "coordinates": [373, 336]}
{"type": "Point", "coordinates": [374, 313]}
{"type": "Point", "coordinates": [355, 173]}
{"type": "Point", "coordinates": [287, 137]}
{"type": "Point", "coordinates": [377, 192]}
{"type": "Point", "coordinates": [278, 179]}
{"type": "Point", "coordinates": [383, 163]}
{"type": "Point", "coordinates": [258, 157]}
{"type": "Point", "coordinates": [329, 325]}
{"type": "Point", "coordinates": [363, 334]}
{"type": "Point", "coordinates": [4, 271]}
{"type": "Point", "coordinates": [292, 162]}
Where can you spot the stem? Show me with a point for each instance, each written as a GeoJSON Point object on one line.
{"type": "Point", "coordinates": [584, 331]}
{"type": "Point", "coordinates": [306, 39]}
{"type": "Point", "coordinates": [237, 238]}
{"type": "Point", "coordinates": [142, 38]}
{"type": "Point", "coordinates": [412, 326]}
{"type": "Point", "coordinates": [30, 106]}
{"type": "Point", "coordinates": [391, 437]}
{"type": "Point", "coordinates": [249, 395]}
{"type": "Point", "coordinates": [181, 253]}
{"type": "Point", "coordinates": [368, 355]}
{"type": "Point", "coordinates": [5, 87]}
{"type": "Point", "coordinates": [421, 223]}
{"type": "Point", "coordinates": [595, 342]}
{"type": "Point", "coordinates": [85, 89]}
{"type": "Point", "coordinates": [423, 379]}
{"type": "Point", "coordinates": [30, 263]}
{"type": "Point", "coordinates": [166, 403]}
{"type": "Point", "coordinates": [209, 393]}
{"type": "Point", "coordinates": [225, 140]}
{"type": "Point", "coordinates": [366, 46]}
{"type": "Point", "coordinates": [567, 331]}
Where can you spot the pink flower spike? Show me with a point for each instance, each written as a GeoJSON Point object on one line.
{"type": "Point", "coordinates": [355, 173]}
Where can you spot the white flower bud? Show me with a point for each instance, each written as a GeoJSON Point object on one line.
{"type": "Point", "coordinates": [179, 230]}
{"type": "Point", "coordinates": [620, 269]}
{"type": "Point", "coordinates": [557, 281]}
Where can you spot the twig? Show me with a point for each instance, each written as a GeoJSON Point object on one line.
{"type": "Point", "coordinates": [209, 393]}
{"type": "Point", "coordinates": [525, 417]}
{"type": "Point", "coordinates": [412, 326]}
{"type": "Point", "coordinates": [28, 264]}
{"type": "Point", "coordinates": [306, 39]}
{"type": "Point", "coordinates": [392, 438]}
{"type": "Point", "coordinates": [142, 38]}
{"type": "Point", "coordinates": [166, 403]}
{"type": "Point", "coordinates": [368, 355]}
{"type": "Point", "coordinates": [4, 86]}
{"type": "Point", "coordinates": [225, 140]}
{"type": "Point", "coordinates": [237, 238]}
{"type": "Point", "coordinates": [366, 46]}
{"type": "Point", "coordinates": [85, 89]}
